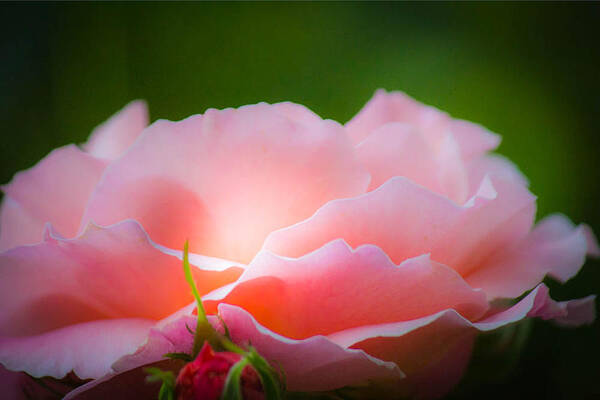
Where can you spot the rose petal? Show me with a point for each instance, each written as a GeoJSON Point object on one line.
{"type": "Point", "coordinates": [128, 385]}
{"type": "Point", "coordinates": [397, 149]}
{"type": "Point", "coordinates": [172, 336]}
{"type": "Point", "coordinates": [228, 178]}
{"type": "Point", "coordinates": [55, 190]}
{"type": "Point", "coordinates": [386, 107]}
{"type": "Point", "coordinates": [406, 220]}
{"type": "Point", "coordinates": [113, 272]}
{"type": "Point", "coordinates": [12, 384]}
{"type": "Point", "coordinates": [436, 379]}
{"type": "Point", "coordinates": [578, 312]}
{"type": "Point", "coordinates": [453, 175]}
{"type": "Point", "coordinates": [554, 247]}
{"type": "Point", "coordinates": [537, 304]}
{"type": "Point", "coordinates": [593, 249]}
{"type": "Point", "coordinates": [473, 139]}
{"type": "Point", "coordinates": [432, 349]}
{"type": "Point", "coordinates": [493, 165]}
{"type": "Point", "coordinates": [17, 227]}
{"type": "Point", "coordinates": [115, 136]}
{"type": "Point", "coordinates": [20, 386]}
{"type": "Point", "coordinates": [88, 349]}
{"type": "Point", "coordinates": [63, 181]}
{"type": "Point", "coordinates": [311, 364]}
{"type": "Point", "coordinates": [303, 297]}
{"type": "Point", "coordinates": [435, 354]}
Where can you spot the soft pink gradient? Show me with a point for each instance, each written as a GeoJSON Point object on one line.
{"type": "Point", "coordinates": [226, 179]}
{"type": "Point", "coordinates": [57, 189]}
{"type": "Point", "coordinates": [474, 140]}
{"type": "Point", "coordinates": [324, 292]}
{"type": "Point", "coordinates": [111, 139]}
{"type": "Point", "coordinates": [83, 303]}
{"type": "Point", "coordinates": [407, 220]}
{"type": "Point", "coordinates": [364, 254]}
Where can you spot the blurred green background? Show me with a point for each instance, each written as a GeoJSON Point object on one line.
{"type": "Point", "coordinates": [530, 72]}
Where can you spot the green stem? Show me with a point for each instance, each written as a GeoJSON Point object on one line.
{"type": "Point", "coordinates": [204, 330]}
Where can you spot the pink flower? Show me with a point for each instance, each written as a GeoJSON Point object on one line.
{"type": "Point", "coordinates": [364, 253]}
{"type": "Point", "coordinates": [204, 378]}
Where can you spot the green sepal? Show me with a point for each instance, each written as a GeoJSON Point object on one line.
{"type": "Point", "coordinates": [179, 356]}
{"type": "Point", "coordinates": [167, 389]}
{"type": "Point", "coordinates": [268, 376]}
{"type": "Point", "coordinates": [227, 344]}
{"type": "Point", "coordinates": [232, 389]}
{"type": "Point", "coordinates": [225, 327]}
{"type": "Point", "coordinates": [282, 376]}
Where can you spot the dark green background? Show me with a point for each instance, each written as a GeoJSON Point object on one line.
{"type": "Point", "coordinates": [530, 72]}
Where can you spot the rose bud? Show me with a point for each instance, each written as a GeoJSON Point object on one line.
{"type": "Point", "coordinates": [205, 377]}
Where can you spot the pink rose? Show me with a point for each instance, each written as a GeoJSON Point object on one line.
{"type": "Point", "coordinates": [347, 255]}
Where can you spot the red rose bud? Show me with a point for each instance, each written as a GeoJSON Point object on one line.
{"type": "Point", "coordinates": [204, 378]}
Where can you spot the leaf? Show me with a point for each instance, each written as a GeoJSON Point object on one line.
{"type": "Point", "coordinates": [232, 389]}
